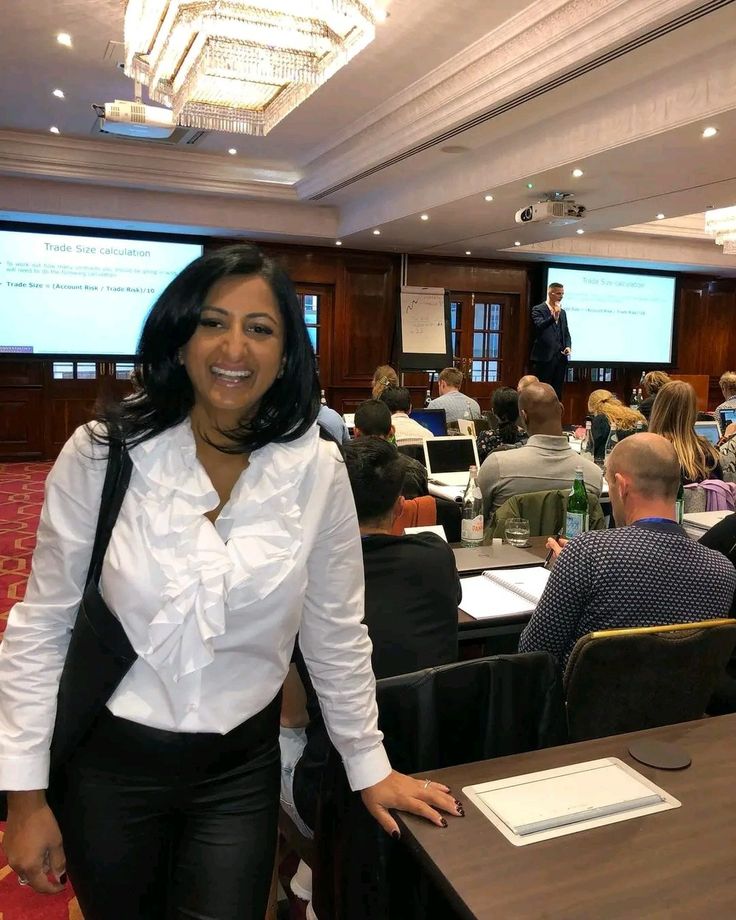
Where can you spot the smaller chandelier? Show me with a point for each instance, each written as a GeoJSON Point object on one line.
{"type": "Point", "coordinates": [241, 65]}
{"type": "Point", "coordinates": [721, 223]}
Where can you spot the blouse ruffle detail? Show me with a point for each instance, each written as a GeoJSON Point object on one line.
{"type": "Point", "coordinates": [252, 548]}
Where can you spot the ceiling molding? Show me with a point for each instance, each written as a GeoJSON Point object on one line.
{"type": "Point", "coordinates": [688, 226]}
{"type": "Point", "coordinates": [541, 43]}
{"type": "Point", "coordinates": [142, 165]}
{"type": "Point", "coordinates": [620, 247]}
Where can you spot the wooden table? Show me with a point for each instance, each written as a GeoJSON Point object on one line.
{"type": "Point", "coordinates": [676, 864]}
{"type": "Point", "coordinates": [472, 629]}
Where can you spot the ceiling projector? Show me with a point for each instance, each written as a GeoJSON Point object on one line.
{"type": "Point", "coordinates": [554, 213]}
{"type": "Point", "coordinates": [134, 119]}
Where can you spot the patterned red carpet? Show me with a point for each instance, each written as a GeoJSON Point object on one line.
{"type": "Point", "coordinates": [21, 496]}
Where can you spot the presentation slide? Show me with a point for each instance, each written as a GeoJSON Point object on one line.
{"type": "Point", "coordinates": [81, 295]}
{"type": "Point", "coordinates": [617, 317]}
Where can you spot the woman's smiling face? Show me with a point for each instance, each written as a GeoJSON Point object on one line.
{"type": "Point", "coordinates": [236, 352]}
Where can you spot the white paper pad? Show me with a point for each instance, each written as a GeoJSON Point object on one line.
{"type": "Point", "coordinates": [428, 528]}
{"type": "Point", "coordinates": [552, 803]}
{"type": "Point", "coordinates": [503, 592]}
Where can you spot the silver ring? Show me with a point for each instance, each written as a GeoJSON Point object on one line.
{"type": "Point", "coordinates": [427, 783]}
{"type": "Point", "coordinates": [22, 880]}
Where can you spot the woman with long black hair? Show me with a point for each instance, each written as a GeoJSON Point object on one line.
{"type": "Point", "coordinates": [237, 530]}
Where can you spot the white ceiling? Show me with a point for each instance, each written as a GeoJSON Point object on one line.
{"type": "Point", "coordinates": [365, 151]}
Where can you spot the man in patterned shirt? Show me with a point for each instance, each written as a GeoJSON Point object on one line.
{"type": "Point", "coordinates": [645, 573]}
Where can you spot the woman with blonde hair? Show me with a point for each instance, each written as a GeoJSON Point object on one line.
{"type": "Point", "coordinates": [673, 416]}
{"type": "Point", "coordinates": [607, 410]}
{"type": "Point", "coordinates": [384, 376]}
{"type": "Point", "coordinates": [651, 384]}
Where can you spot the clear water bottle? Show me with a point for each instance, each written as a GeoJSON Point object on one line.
{"type": "Point", "coordinates": [612, 439]}
{"type": "Point", "coordinates": [576, 518]}
{"type": "Point", "coordinates": [428, 398]}
{"type": "Point", "coordinates": [634, 402]}
{"type": "Point", "coordinates": [322, 398]}
{"type": "Point", "coordinates": [587, 448]}
{"type": "Point", "coordinates": [471, 532]}
{"type": "Point", "coordinates": [680, 504]}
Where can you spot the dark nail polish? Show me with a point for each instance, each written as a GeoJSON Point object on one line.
{"type": "Point", "coordinates": [459, 809]}
{"type": "Point", "coordinates": [443, 823]}
{"type": "Point", "coordinates": [62, 878]}
{"type": "Point", "coordinates": [395, 834]}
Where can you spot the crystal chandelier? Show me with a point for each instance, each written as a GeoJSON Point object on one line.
{"type": "Point", "coordinates": [241, 65]}
{"type": "Point", "coordinates": [721, 223]}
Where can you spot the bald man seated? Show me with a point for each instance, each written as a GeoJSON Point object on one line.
{"type": "Point", "coordinates": [545, 462]}
{"type": "Point", "coordinates": [525, 381]}
{"type": "Point", "coordinates": [647, 572]}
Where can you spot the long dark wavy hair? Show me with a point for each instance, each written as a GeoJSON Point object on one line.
{"type": "Point", "coordinates": [164, 395]}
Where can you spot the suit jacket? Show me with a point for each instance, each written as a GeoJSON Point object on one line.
{"type": "Point", "coordinates": [549, 340]}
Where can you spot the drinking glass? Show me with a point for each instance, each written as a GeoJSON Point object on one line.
{"type": "Point", "coordinates": [516, 531]}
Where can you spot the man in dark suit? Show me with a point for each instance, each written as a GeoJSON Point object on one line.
{"type": "Point", "coordinates": [552, 342]}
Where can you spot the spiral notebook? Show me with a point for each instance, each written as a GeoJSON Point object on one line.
{"type": "Point", "coordinates": [503, 592]}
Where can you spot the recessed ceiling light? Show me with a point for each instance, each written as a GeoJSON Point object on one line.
{"type": "Point", "coordinates": [59, 93]}
{"type": "Point", "coordinates": [380, 15]}
{"type": "Point", "coordinates": [232, 151]}
{"type": "Point", "coordinates": [376, 233]}
{"type": "Point", "coordinates": [64, 38]}
{"type": "Point", "coordinates": [530, 185]}
{"type": "Point", "coordinates": [489, 197]}
{"type": "Point", "coordinates": [54, 130]}
{"type": "Point", "coordinates": [424, 217]}
{"type": "Point", "coordinates": [577, 173]}
{"type": "Point", "coordinates": [710, 132]}
{"type": "Point", "coordinates": [468, 252]}
{"type": "Point", "coordinates": [580, 232]}
{"type": "Point", "coordinates": [338, 242]}
{"type": "Point", "coordinates": [660, 216]}
{"type": "Point", "coordinates": [517, 243]}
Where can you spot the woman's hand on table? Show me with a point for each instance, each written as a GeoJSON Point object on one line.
{"type": "Point", "coordinates": [415, 796]}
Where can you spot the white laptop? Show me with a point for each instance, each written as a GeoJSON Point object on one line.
{"type": "Point", "coordinates": [448, 459]}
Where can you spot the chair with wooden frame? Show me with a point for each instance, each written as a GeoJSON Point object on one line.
{"type": "Point", "coordinates": [624, 680]}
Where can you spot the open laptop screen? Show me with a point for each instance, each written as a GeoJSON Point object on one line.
{"type": "Point", "coordinates": [434, 419]}
{"type": "Point", "coordinates": [727, 417]}
{"type": "Point", "coordinates": [450, 455]}
{"type": "Point", "coordinates": [708, 430]}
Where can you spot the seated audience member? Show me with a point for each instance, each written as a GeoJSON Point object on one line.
{"type": "Point", "coordinates": [505, 405]}
{"type": "Point", "coordinates": [383, 377]}
{"type": "Point", "coordinates": [373, 419]}
{"type": "Point", "coordinates": [673, 416]}
{"type": "Point", "coordinates": [456, 404]}
{"type": "Point", "coordinates": [406, 430]}
{"type": "Point", "coordinates": [412, 592]}
{"type": "Point", "coordinates": [722, 537]}
{"type": "Point", "coordinates": [545, 462]}
{"type": "Point", "coordinates": [334, 424]}
{"type": "Point", "coordinates": [606, 410]}
{"type": "Point", "coordinates": [525, 381]}
{"type": "Point", "coordinates": [647, 572]}
{"type": "Point", "coordinates": [727, 451]}
{"type": "Point", "coordinates": [650, 386]}
{"type": "Point", "coordinates": [728, 388]}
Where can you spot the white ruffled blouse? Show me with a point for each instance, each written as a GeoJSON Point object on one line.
{"type": "Point", "coordinates": [211, 610]}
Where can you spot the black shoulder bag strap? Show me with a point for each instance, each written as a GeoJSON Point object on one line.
{"type": "Point", "coordinates": [99, 654]}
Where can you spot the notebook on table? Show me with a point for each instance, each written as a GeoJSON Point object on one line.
{"type": "Point", "coordinates": [449, 459]}
{"type": "Point", "coordinates": [479, 558]}
{"type": "Point", "coordinates": [503, 592]}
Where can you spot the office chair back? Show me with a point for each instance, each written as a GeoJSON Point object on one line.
{"type": "Point", "coordinates": [625, 680]}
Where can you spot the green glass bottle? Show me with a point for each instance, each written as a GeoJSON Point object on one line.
{"type": "Point", "coordinates": [576, 519]}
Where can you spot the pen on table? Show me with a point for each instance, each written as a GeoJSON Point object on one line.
{"type": "Point", "coordinates": [551, 553]}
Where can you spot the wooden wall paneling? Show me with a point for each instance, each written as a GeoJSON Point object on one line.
{"type": "Point", "coordinates": [21, 373]}
{"type": "Point", "coordinates": [366, 299]}
{"type": "Point", "coordinates": [21, 423]}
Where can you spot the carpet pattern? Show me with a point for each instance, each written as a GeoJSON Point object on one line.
{"type": "Point", "coordinates": [21, 497]}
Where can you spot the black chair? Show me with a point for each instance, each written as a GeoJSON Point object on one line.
{"type": "Point", "coordinates": [625, 680]}
{"type": "Point", "coordinates": [450, 515]}
{"type": "Point", "coordinates": [431, 719]}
